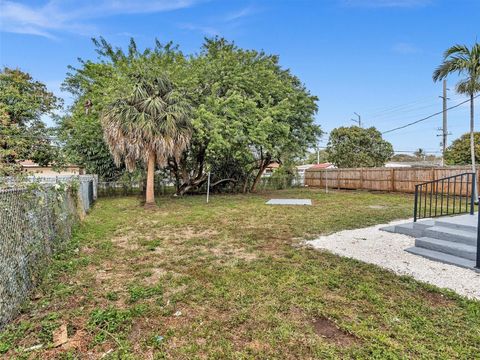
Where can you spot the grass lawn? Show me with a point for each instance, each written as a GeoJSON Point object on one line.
{"type": "Point", "coordinates": [228, 280]}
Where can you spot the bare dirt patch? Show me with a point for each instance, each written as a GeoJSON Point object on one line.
{"type": "Point", "coordinates": [126, 242]}
{"type": "Point", "coordinates": [155, 276]}
{"type": "Point", "coordinates": [327, 329]}
{"type": "Point", "coordinates": [437, 299]}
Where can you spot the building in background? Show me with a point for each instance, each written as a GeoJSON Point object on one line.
{"type": "Point", "coordinates": [302, 168]}
{"type": "Point", "coordinates": [32, 168]}
{"type": "Point", "coordinates": [270, 169]}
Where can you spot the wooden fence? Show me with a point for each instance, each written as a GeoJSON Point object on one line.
{"type": "Point", "coordinates": [400, 179]}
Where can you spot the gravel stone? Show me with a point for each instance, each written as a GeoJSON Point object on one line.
{"type": "Point", "coordinates": [371, 245]}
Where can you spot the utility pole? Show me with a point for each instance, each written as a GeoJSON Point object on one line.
{"type": "Point", "coordinates": [359, 121]}
{"type": "Point", "coordinates": [444, 125]}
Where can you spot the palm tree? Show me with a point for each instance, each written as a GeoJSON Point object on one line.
{"type": "Point", "coordinates": [464, 61]}
{"type": "Point", "coordinates": [420, 153]}
{"type": "Point", "coordinates": [150, 125]}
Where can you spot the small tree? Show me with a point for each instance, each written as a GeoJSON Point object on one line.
{"type": "Point", "coordinates": [358, 147]}
{"type": "Point", "coordinates": [458, 153]}
{"type": "Point", "coordinates": [150, 125]}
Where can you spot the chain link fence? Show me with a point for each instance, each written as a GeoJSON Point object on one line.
{"type": "Point", "coordinates": [279, 182]}
{"type": "Point", "coordinates": [129, 188]}
{"type": "Point", "coordinates": [37, 216]}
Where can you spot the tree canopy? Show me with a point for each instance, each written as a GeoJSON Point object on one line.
{"type": "Point", "coordinates": [151, 125]}
{"type": "Point", "coordinates": [246, 110]}
{"type": "Point", "coordinates": [23, 135]}
{"type": "Point", "coordinates": [458, 153]}
{"type": "Point", "coordinates": [354, 146]}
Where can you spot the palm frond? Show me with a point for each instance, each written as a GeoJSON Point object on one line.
{"type": "Point", "coordinates": [456, 49]}
{"type": "Point", "coordinates": [152, 119]}
{"type": "Point", "coordinates": [461, 59]}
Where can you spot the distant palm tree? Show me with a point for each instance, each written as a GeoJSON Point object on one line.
{"type": "Point", "coordinates": [464, 61]}
{"type": "Point", "coordinates": [150, 125]}
{"type": "Point", "coordinates": [420, 153]}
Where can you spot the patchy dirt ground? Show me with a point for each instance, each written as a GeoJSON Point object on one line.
{"type": "Point", "coordinates": [229, 280]}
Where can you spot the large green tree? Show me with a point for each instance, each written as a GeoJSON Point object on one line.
{"type": "Point", "coordinates": [464, 61]}
{"type": "Point", "coordinates": [458, 153]}
{"type": "Point", "coordinates": [95, 85]}
{"type": "Point", "coordinates": [150, 125]}
{"type": "Point", "coordinates": [350, 147]}
{"type": "Point", "coordinates": [23, 135]}
{"type": "Point", "coordinates": [246, 110]}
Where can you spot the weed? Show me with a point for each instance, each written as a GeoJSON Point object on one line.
{"type": "Point", "coordinates": [138, 292]}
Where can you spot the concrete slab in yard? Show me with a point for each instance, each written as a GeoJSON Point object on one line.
{"type": "Point", "coordinates": [289, 202]}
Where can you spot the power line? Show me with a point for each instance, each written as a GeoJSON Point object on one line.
{"type": "Point", "coordinates": [427, 117]}
{"type": "Point", "coordinates": [379, 111]}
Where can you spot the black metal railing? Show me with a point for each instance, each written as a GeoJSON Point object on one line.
{"type": "Point", "coordinates": [447, 196]}
{"type": "Point", "coordinates": [478, 237]}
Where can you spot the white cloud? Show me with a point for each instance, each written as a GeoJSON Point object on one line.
{"type": "Point", "coordinates": [387, 3]}
{"type": "Point", "coordinates": [70, 15]}
{"type": "Point", "coordinates": [405, 48]}
{"type": "Point", "coordinates": [207, 30]}
{"type": "Point", "coordinates": [239, 14]}
{"type": "Point", "coordinates": [229, 20]}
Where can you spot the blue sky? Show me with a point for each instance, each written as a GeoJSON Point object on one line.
{"type": "Point", "coordinates": [373, 57]}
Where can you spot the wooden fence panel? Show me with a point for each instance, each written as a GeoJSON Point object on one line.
{"type": "Point", "coordinates": [400, 179]}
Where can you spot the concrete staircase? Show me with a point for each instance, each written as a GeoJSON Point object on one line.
{"type": "Point", "coordinates": [452, 240]}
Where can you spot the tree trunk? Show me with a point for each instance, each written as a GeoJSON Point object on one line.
{"type": "Point", "coordinates": [245, 186]}
{"type": "Point", "coordinates": [263, 165]}
{"type": "Point", "coordinates": [257, 179]}
{"type": "Point", "coordinates": [191, 184]}
{"type": "Point", "coordinates": [150, 196]}
{"type": "Point", "coordinates": [472, 139]}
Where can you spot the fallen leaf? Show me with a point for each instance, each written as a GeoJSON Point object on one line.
{"type": "Point", "coordinates": [60, 336]}
{"type": "Point", "coordinates": [34, 347]}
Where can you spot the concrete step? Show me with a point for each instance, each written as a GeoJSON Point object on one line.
{"type": "Point", "coordinates": [424, 224]}
{"type": "Point", "coordinates": [406, 229]}
{"type": "Point", "coordinates": [452, 248]}
{"type": "Point", "coordinates": [465, 226]}
{"type": "Point", "coordinates": [451, 234]}
{"type": "Point", "coordinates": [442, 257]}
{"type": "Point", "coordinates": [413, 229]}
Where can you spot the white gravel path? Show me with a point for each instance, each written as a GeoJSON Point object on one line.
{"type": "Point", "coordinates": [386, 250]}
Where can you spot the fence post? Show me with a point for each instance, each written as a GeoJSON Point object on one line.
{"type": "Point", "coordinates": [326, 182]}
{"type": "Point", "coordinates": [361, 178]}
{"type": "Point", "coordinates": [208, 187]}
{"type": "Point", "coordinates": [392, 180]}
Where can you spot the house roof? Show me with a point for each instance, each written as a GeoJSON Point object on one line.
{"type": "Point", "coordinates": [322, 166]}
{"type": "Point", "coordinates": [304, 167]}
{"type": "Point", "coordinates": [28, 163]}
{"type": "Point", "coordinates": [273, 165]}
{"type": "Point", "coordinates": [32, 164]}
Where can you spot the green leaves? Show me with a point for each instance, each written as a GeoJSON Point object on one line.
{"type": "Point", "coordinates": [350, 147]}
{"type": "Point", "coordinates": [458, 153]}
{"type": "Point", "coordinates": [22, 133]}
{"type": "Point", "coordinates": [244, 106]}
{"type": "Point", "coordinates": [465, 61]}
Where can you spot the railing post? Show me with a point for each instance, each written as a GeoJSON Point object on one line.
{"type": "Point", "coordinates": [415, 205]}
{"type": "Point", "coordinates": [477, 265]}
{"type": "Point", "coordinates": [472, 197]}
